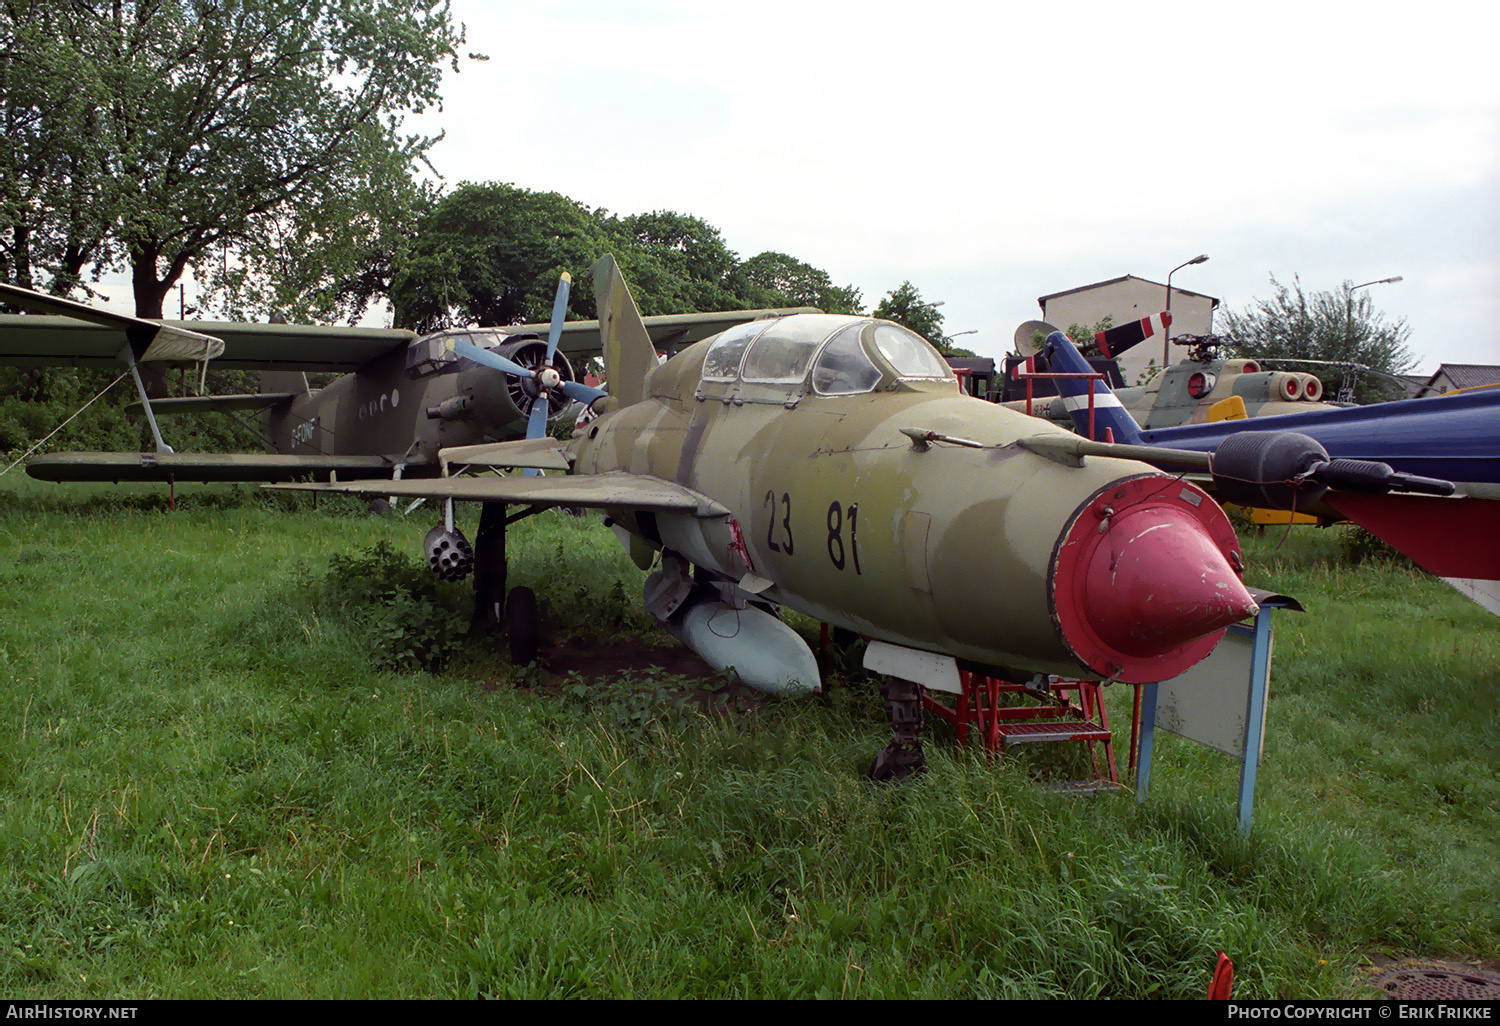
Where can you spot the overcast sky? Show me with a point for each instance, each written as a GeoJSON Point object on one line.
{"type": "Point", "coordinates": [991, 154]}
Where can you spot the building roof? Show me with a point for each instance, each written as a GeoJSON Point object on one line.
{"type": "Point", "coordinates": [1462, 375]}
{"type": "Point", "coordinates": [1413, 384]}
{"type": "Point", "coordinates": [1042, 300]}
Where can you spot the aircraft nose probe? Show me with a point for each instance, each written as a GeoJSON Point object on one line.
{"type": "Point", "coordinates": [1145, 579]}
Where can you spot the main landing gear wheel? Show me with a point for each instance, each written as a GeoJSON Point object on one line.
{"type": "Point", "coordinates": [521, 625]}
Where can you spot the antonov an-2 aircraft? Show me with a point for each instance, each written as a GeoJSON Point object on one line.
{"type": "Point", "coordinates": [400, 397]}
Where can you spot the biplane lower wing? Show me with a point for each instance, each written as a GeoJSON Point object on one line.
{"type": "Point", "coordinates": [248, 403]}
{"type": "Point", "coordinates": [213, 467]}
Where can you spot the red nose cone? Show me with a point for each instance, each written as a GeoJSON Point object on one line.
{"type": "Point", "coordinates": [1159, 583]}
{"type": "Point", "coordinates": [1143, 585]}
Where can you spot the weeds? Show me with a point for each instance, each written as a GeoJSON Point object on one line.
{"type": "Point", "coordinates": [412, 620]}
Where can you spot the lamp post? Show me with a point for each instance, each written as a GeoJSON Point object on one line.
{"type": "Point", "coordinates": [1349, 304]}
{"type": "Point", "coordinates": [1166, 336]}
{"type": "Point", "coordinates": [1346, 389]}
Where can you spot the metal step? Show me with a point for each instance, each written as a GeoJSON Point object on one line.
{"type": "Point", "coordinates": [1080, 788]}
{"type": "Point", "coordinates": [1014, 733]}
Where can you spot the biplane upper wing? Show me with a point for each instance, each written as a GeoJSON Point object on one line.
{"type": "Point", "coordinates": [65, 341]}
{"type": "Point", "coordinates": [95, 336]}
{"type": "Point", "coordinates": [60, 331]}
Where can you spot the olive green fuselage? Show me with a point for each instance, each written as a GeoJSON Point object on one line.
{"type": "Point", "coordinates": [942, 547]}
{"type": "Point", "coordinates": [384, 410]}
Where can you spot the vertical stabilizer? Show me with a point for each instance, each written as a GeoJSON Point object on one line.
{"type": "Point", "coordinates": [628, 352]}
{"type": "Point", "coordinates": [283, 381]}
{"type": "Point", "coordinates": [1111, 420]}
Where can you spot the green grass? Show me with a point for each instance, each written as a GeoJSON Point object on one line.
{"type": "Point", "coordinates": [210, 788]}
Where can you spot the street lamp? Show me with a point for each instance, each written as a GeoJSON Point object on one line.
{"type": "Point", "coordinates": [1349, 301]}
{"type": "Point", "coordinates": [948, 339]}
{"type": "Point", "coordinates": [1166, 337]}
{"type": "Point", "coordinates": [1349, 349]}
{"type": "Point", "coordinates": [1349, 305]}
{"type": "Point", "coordinates": [1349, 298]}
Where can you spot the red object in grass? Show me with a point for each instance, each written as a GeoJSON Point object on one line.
{"type": "Point", "coordinates": [1223, 980]}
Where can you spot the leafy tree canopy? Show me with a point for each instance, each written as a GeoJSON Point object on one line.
{"type": "Point", "coordinates": [491, 254]}
{"type": "Point", "coordinates": [154, 131]}
{"type": "Point", "coordinates": [680, 263]}
{"type": "Point", "coordinates": [905, 306]}
{"type": "Point", "coordinates": [773, 279]}
{"type": "Point", "coordinates": [1336, 328]}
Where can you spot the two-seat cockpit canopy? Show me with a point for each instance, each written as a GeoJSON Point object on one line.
{"type": "Point", "coordinates": [782, 359]}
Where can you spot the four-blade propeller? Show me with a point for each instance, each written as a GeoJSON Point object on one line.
{"type": "Point", "coordinates": [545, 377]}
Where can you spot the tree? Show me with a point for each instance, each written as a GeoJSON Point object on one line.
{"type": "Point", "coordinates": [156, 131]}
{"type": "Point", "coordinates": [905, 307]}
{"type": "Point", "coordinates": [491, 254]}
{"type": "Point", "coordinates": [774, 279]}
{"type": "Point", "coordinates": [1335, 329]}
{"type": "Point", "coordinates": [49, 132]}
{"type": "Point", "coordinates": [323, 264]}
{"type": "Point", "coordinates": [679, 262]}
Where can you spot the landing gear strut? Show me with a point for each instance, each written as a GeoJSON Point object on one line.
{"type": "Point", "coordinates": [521, 626]}
{"type": "Point", "coordinates": [904, 756]}
{"type": "Point", "coordinates": [489, 570]}
{"type": "Point", "coordinates": [494, 610]}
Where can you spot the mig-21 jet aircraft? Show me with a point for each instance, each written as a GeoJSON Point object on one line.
{"type": "Point", "coordinates": [831, 465]}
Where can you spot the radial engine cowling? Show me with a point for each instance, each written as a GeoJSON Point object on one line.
{"type": "Point", "coordinates": [532, 353]}
{"type": "Point", "coordinates": [449, 554]}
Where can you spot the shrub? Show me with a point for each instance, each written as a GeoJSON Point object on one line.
{"type": "Point", "coordinates": [414, 621]}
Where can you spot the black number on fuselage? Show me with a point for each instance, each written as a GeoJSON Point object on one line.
{"type": "Point", "coordinates": [835, 535]}
{"type": "Point", "coordinates": [786, 523]}
{"type": "Point", "coordinates": [853, 539]}
{"type": "Point", "coordinates": [836, 552]}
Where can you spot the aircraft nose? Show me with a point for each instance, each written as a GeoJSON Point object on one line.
{"type": "Point", "coordinates": [1145, 583]}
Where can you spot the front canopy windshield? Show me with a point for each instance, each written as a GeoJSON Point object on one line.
{"type": "Point", "coordinates": [911, 355]}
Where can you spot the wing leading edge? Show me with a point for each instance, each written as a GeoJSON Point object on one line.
{"type": "Point", "coordinates": [615, 490]}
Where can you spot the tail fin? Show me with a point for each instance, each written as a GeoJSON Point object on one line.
{"type": "Point", "coordinates": [1111, 420]}
{"type": "Point", "coordinates": [628, 352]}
{"type": "Point", "coordinates": [1114, 341]}
{"type": "Point", "coordinates": [283, 381]}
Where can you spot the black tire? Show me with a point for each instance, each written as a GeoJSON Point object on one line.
{"type": "Point", "coordinates": [521, 626]}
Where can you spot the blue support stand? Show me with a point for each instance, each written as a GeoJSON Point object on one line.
{"type": "Point", "coordinates": [1255, 713]}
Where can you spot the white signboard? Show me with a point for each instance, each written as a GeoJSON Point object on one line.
{"type": "Point", "coordinates": [1209, 703]}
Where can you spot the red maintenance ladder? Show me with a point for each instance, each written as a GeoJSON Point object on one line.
{"type": "Point", "coordinates": [1064, 709]}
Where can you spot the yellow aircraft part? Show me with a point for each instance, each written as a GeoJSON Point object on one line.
{"type": "Point", "coordinates": [1232, 408]}
{"type": "Point", "coordinates": [1272, 516]}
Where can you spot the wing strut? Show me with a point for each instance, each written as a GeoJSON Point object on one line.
{"type": "Point", "coordinates": [128, 356]}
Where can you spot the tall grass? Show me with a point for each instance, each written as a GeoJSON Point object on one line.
{"type": "Point", "coordinates": [209, 789]}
